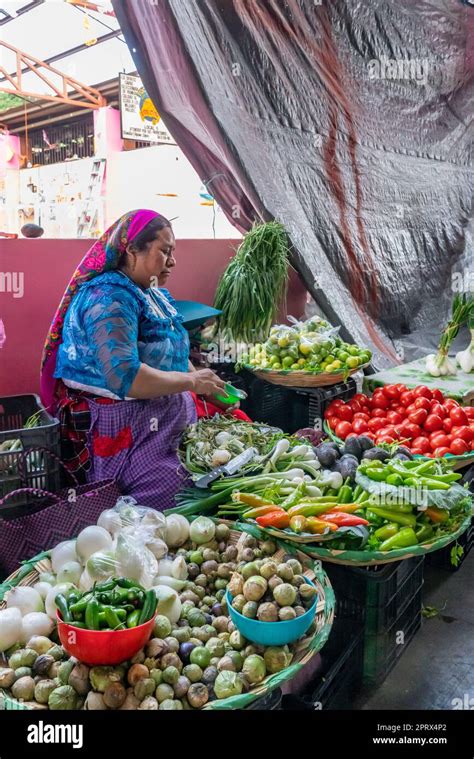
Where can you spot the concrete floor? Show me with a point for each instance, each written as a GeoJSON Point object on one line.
{"type": "Point", "coordinates": [438, 665]}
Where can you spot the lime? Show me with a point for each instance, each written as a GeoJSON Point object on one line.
{"type": "Point", "coordinates": [352, 362]}
{"type": "Point", "coordinates": [330, 358]}
{"type": "Point", "coordinates": [305, 348]}
{"type": "Point", "coordinates": [287, 361]}
{"type": "Point", "coordinates": [283, 342]}
{"type": "Point", "coordinates": [276, 365]}
{"type": "Point", "coordinates": [336, 364]}
{"type": "Point", "coordinates": [342, 356]}
{"type": "Point", "coordinates": [295, 366]}
{"type": "Point", "coordinates": [353, 350]}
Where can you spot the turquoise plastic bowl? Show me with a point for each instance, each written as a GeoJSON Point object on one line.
{"type": "Point", "coordinates": [272, 633]}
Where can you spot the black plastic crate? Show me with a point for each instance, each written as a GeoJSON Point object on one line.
{"type": "Point", "coordinates": [27, 467]}
{"type": "Point", "coordinates": [339, 677]}
{"type": "Point", "coordinates": [442, 559]}
{"type": "Point", "coordinates": [382, 651]}
{"type": "Point", "coordinates": [293, 408]}
{"type": "Point", "coordinates": [379, 594]}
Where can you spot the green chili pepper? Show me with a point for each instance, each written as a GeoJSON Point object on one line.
{"type": "Point", "coordinates": [310, 509]}
{"type": "Point", "coordinates": [364, 496]}
{"type": "Point", "coordinates": [133, 618]}
{"type": "Point", "coordinates": [92, 614]}
{"type": "Point", "coordinates": [345, 494]}
{"type": "Point", "coordinates": [124, 582]}
{"type": "Point", "coordinates": [103, 587]}
{"type": "Point", "coordinates": [434, 484]}
{"type": "Point", "coordinates": [404, 538]}
{"type": "Point", "coordinates": [149, 607]}
{"type": "Point", "coordinates": [81, 625]}
{"type": "Point", "coordinates": [121, 614]}
{"type": "Point", "coordinates": [394, 516]}
{"type": "Point", "coordinates": [423, 532]}
{"type": "Point", "coordinates": [112, 618]}
{"type": "Point", "coordinates": [294, 497]}
{"type": "Point", "coordinates": [387, 531]}
{"type": "Point", "coordinates": [357, 492]}
{"type": "Point", "coordinates": [62, 604]}
{"type": "Point", "coordinates": [378, 475]}
{"type": "Point", "coordinates": [395, 479]}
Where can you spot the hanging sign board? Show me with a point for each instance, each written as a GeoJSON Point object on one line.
{"type": "Point", "coordinates": [139, 118]}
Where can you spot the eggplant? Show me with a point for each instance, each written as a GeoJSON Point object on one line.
{"type": "Point", "coordinates": [326, 455]}
{"type": "Point", "coordinates": [400, 456]}
{"type": "Point", "coordinates": [366, 443]}
{"type": "Point", "coordinates": [348, 467]}
{"type": "Point", "coordinates": [353, 447]}
{"type": "Point", "coordinates": [406, 452]}
{"type": "Point", "coordinates": [376, 453]}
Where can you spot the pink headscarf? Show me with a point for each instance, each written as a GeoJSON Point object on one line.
{"type": "Point", "coordinates": [103, 256]}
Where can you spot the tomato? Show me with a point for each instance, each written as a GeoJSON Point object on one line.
{"type": "Point", "coordinates": [465, 433]}
{"type": "Point", "coordinates": [361, 415]}
{"type": "Point", "coordinates": [447, 425]}
{"type": "Point", "coordinates": [366, 409]}
{"type": "Point", "coordinates": [343, 429]}
{"type": "Point", "coordinates": [388, 430]}
{"type": "Point", "coordinates": [407, 397]}
{"type": "Point", "coordinates": [469, 411]}
{"type": "Point", "coordinates": [433, 423]}
{"type": "Point", "coordinates": [355, 406]}
{"type": "Point", "coordinates": [458, 447]}
{"type": "Point", "coordinates": [360, 398]}
{"type": "Point", "coordinates": [376, 424]}
{"type": "Point", "coordinates": [401, 410]}
{"type": "Point", "coordinates": [333, 421]}
{"type": "Point", "coordinates": [337, 403]}
{"type": "Point", "coordinates": [440, 452]}
{"type": "Point", "coordinates": [344, 413]}
{"type": "Point", "coordinates": [394, 418]}
{"type": "Point", "coordinates": [438, 440]}
{"type": "Point", "coordinates": [410, 429]}
{"type": "Point", "coordinates": [391, 391]}
{"type": "Point", "coordinates": [437, 395]}
{"type": "Point", "coordinates": [422, 403]}
{"type": "Point", "coordinates": [458, 415]}
{"type": "Point", "coordinates": [360, 426]}
{"type": "Point", "coordinates": [378, 413]}
{"type": "Point", "coordinates": [450, 403]}
{"type": "Point", "coordinates": [401, 388]}
{"type": "Point", "coordinates": [417, 452]}
{"type": "Point", "coordinates": [419, 416]}
{"type": "Point", "coordinates": [385, 439]}
{"type": "Point", "coordinates": [422, 443]}
{"type": "Point", "coordinates": [370, 435]}
{"type": "Point", "coordinates": [394, 405]}
{"type": "Point", "coordinates": [437, 408]}
{"type": "Point", "coordinates": [411, 409]}
{"type": "Point", "coordinates": [422, 392]}
{"type": "Point", "coordinates": [380, 401]}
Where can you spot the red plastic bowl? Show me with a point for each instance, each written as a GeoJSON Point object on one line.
{"type": "Point", "coordinates": [95, 647]}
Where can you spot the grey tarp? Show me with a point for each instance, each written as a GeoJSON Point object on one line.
{"type": "Point", "coordinates": [347, 121]}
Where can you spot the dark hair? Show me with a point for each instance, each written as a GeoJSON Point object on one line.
{"type": "Point", "coordinates": [31, 230]}
{"type": "Point", "coordinates": [148, 233]}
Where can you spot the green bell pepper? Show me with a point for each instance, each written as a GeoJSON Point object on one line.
{"type": "Point", "coordinates": [404, 538]}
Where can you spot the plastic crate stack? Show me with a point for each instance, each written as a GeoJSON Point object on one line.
{"type": "Point", "coordinates": [388, 598]}
{"type": "Point", "coordinates": [34, 462]}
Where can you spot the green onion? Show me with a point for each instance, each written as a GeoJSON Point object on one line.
{"type": "Point", "coordinates": [254, 283]}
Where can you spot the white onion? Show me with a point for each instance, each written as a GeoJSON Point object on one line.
{"type": "Point", "coordinates": [51, 598]}
{"type": "Point", "coordinates": [70, 572]}
{"type": "Point", "coordinates": [10, 627]}
{"type": "Point", "coordinates": [42, 588]}
{"type": "Point", "coordinates": [177, 530]}
{"type": "Point", "coordinates": [110, 521]}
{"type": "Point", "coordinates": [36, 623]}
{"type": "Point", "coordinates": [63, 552]}
{"type": "Point", "coordinates": [165, 567]}
{"type": "Point", "coordinates": [168, 602]}
{"type": "Point", "coordinates": [91, 540]}
{"type": "Point", "coordinates": [25, 599]}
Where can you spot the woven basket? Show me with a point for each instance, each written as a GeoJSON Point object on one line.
{"type": "Point", "coordinates": [354, 558]}
{"type": "Point", "coordinates": [303, 650]}
{"type": "Point", "coordinates": [302, 379]}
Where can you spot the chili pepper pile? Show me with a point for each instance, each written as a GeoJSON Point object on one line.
{"type": "Point", "coordinates": [115, 604]}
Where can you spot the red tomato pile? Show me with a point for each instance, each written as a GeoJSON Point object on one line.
{"type": "Point", "coordinates": [421, 419]}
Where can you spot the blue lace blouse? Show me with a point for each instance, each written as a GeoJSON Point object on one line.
{"type": "Point", "coordinates": [111, 327]}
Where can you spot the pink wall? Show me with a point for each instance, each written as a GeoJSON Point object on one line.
{"type": "Point", "coordinates": [46, 266]}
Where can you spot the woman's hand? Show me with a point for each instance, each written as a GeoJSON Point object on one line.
{"type": "Point", "coordinates": [206, 382]}
{"type": "Point", "coordinates": [225, 407]}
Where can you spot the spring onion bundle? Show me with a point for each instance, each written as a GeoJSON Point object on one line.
{"type": "Point", "coordinates": [439, 364]}
{"type": "Point", "coordinates": [254, 284]}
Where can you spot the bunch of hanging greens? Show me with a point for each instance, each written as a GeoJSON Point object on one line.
{"type": "Point", "coordinates": [254, 284]}
{"type": "Point", "coordinates": [439, 364]}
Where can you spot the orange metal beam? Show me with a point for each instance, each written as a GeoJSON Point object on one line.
{"type": "Point", "coordinates": [91, 98]}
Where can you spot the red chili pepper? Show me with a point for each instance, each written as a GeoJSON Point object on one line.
{"type": "Point", "coordinates": [344, 520]}
{"type": "Point", "coordinates": [277, 518]}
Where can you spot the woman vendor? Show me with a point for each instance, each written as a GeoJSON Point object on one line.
{"type": "Point", "coordinates": [116, 367]}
